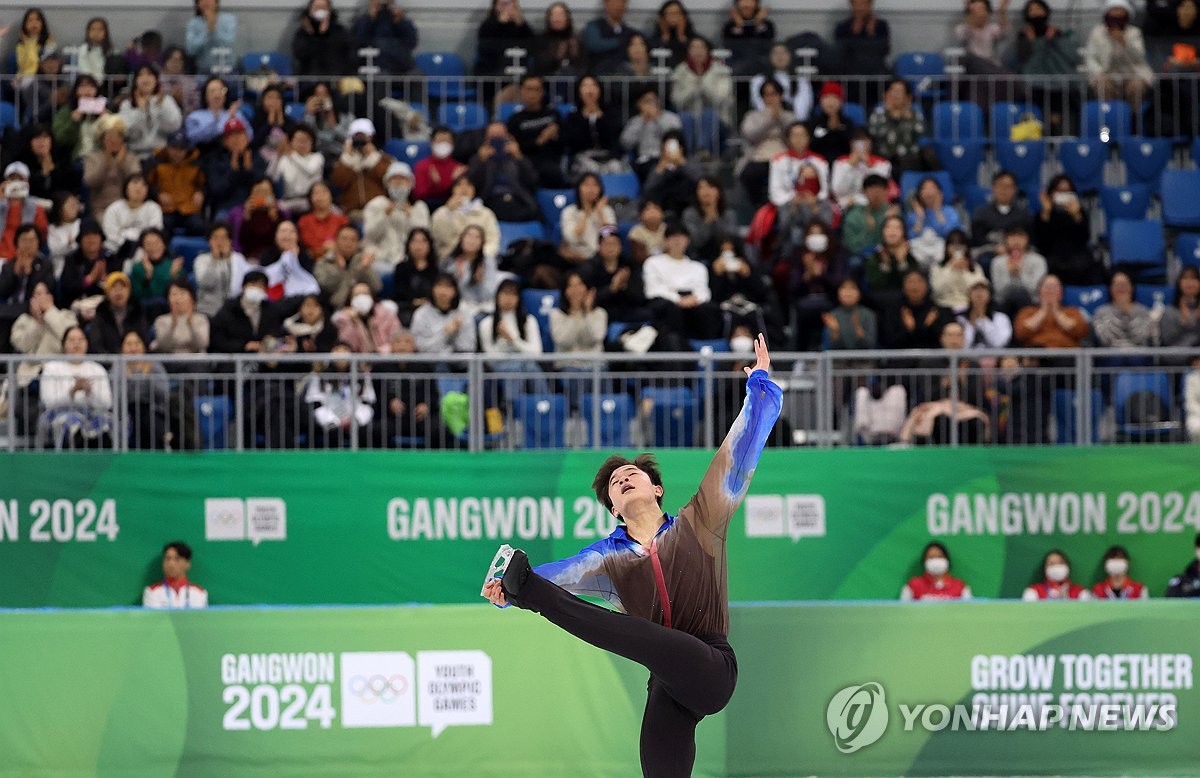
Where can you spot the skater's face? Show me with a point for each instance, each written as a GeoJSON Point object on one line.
{"type": "Point", "coordinates": [630, 486]}
{"type": "Point", "coordinates": [174, 565]}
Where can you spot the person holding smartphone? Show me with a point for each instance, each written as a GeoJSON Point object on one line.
{"type": "Point", "coordinates": [1063, 231]}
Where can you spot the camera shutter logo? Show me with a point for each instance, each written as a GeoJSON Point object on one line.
{"type": "Point", "coordinates": [857, 716]}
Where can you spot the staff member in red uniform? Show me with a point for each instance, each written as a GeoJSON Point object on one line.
{"type": "Point", "coordinates": [175, 590]}
{"type": "Point", "coordinates": [1056, 583]}
{"type": "Point", "coordinates": [1118, 585]}
{"type": "Point", "coordinates": [936, 583]}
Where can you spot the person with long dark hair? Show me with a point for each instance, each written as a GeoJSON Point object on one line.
{"type": "Point", "coordinates": [666, 575]}
{"type": "Point", "coordinates": [1180, 323]}
{"type": "Point", "coordinates": [413, 280]}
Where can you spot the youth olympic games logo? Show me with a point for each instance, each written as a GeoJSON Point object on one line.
{"type": "Point", "coordinates": [857, 716]}
{"type": "Point", "coordinates": [378, 688]}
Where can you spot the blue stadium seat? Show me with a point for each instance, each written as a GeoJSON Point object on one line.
{"type": "Point", "coordinates": [1083, 162]}
{"type": "Point", "coordinates": [387, 290]}
{"type": "Point", "coordinates": [1109, 121]}
{"type": "Point", "coordinates": [539, 303]}
{"type": "Point", "coordinates": [618, 328]}
{"type": "Point", "coordinates": [1145, 159]}
{"type": "Point", "coordinates": [564, 109]}
{"type": "Point", "coordinates": [214, 415]}
{"type": "Point", "coordinates": [1087, 298]}
{"type": "Point", "coordinates": [462, 116]}
{"type": "Point", "coordinates": [617, 185]}
{"type": "Point", "coordinates": [703, 131]}
{"type": "Point", "coordinates": [911, 179]}
{"type": "Point", "coordinates": [1181, 205]}
{"type": "Point", "coordinates": [1024, 159]}
{"type": "Point", "coordinates": [188, 247]}
{"type": "Point", "coordinates": [1137, 242]}
{"type": "Point", "coordinates": [551, 202]}
{"type": "Point", "coordinates": [958, 122]}
{"type": "Point", "coordinates": [410, 151]}
{"type": "Point", "coordinates": [673, 415]}
{"type": "Point", "coordinates": [1158, 385]}
{"type": "Point", "coordinates": [246, 111]}
{"type": "Point", "coordinates": [1151, 294]}
{"type": "Point", "coordinates": [272, 60]}
{"type": "Point", "coordinates": [1005, 115]}
{"type": "Point", "coordinates": [961, 159]}
{"type": "Point", "coordinates": [512, 231]}
{"type": "Point", "coordinates": [445, 74]}
{"type": "Point", "coordinates": [294, 111]}
{"type": "Point", "coordinates": [974, 196]}
{"type": "Point", "coordinates": [1066, 416]}
{"type": "Point", "coordinates": [923, 70]}
{"type": "Point", "coordinates": [1124, 202]}
{"type": "Point", "coordinates": [718, 345]}
{"type": "Point", "coordinates": [505, 110]}
{"type": "Point", "coordinates": [543, 417]}
{"type": "Point", "coordinates": [616, 413]}
{"type": "Point", "coordinates": [855, 114]}
{"type": "Point", "coordinates": [1187, 248]}
{"type": "Point", "coordinates": [8, 115]}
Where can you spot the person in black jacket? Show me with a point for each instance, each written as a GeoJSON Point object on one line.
{"type": "Point", "coordinates": [537, 130]}
{"type": "Point", "coordinates": [413, 279]}
{"type": "Point", "coordinates": [47, 173]}
{"type": "Point", "coordinates": [244, 322]}
{"type": "Point", "coordinates": [385, 26]}
{"type": "Point", "coordinates": [617, 280]}
{"type": "Point", "coordinates": [231, 169]}
{"type": "Point", "coordinates": [409, 408]}
{"type": "Point", "coordinates": [19, 276]}
{"type": "Point", "coordinates": [117, 315]}
{"type": "Point", "coordinates": [504, 177]}
{"type": "Point", "coordinates": [1187, 583]}
{"type": "Point", "coordinates": [591, 129]}
{"type": "Point", "coordinates": [504, 28]}
{"type": "Point", "coordinates": [915, 321]}
{"type": "Point", "coordinates": [85, 268]}
{"type": "Point", "coordinates": [321, 45]}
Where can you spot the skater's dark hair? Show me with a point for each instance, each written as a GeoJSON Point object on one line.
{"type": "Point", "coordinates": [644, 462]}
{"type": "Point", "coordinates": [181, 548]}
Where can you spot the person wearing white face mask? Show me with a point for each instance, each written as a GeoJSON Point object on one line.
{"type": "Point", "coordinates": [365, 325]}
{"type": "Point", "coordinates": [935, 583]}
{"type": "Point", "coordinates": [1056, 583]}
{"type": "Point", "coordinates": [434, 176]}
{"type": "Point", "coordinates": [388, 220]}
{"type": "Point", "coordinates": [243, 322]}
{"type": "Point", "coordinates": [322, 45]}
{"type": "Point", "coordinates": [1187, 583]}
{"type": "Point", "coordinates": [1117, 585]}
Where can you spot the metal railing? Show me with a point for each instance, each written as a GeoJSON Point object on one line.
{"type": "Point", "coordinates": [474, 402]}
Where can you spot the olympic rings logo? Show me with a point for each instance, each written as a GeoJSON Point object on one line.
{"type": "Point", "coordinates": [382, 688]}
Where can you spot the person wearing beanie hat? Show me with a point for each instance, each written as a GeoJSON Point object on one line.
{"type": "Point", "coordinates": [359, 171]}
{"type": "Point", "coordinates": [828, 127]}
{"type": "Point", "coordinates": [388, 220]}
{"type": "Point", "coordinates": [86, 268]}
{"type": "Point", "coordinates": [1115, 56]}
{"type": "Point", "coordinates": [107, 167]}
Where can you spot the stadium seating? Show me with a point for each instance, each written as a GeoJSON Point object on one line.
{"type": "Point", "coordinates": [551, 202]}
{"type": "Point", "coordinates": [1086, 298]}
{"type": "Point", "coordinates": [462, 116]}
{"type": "Point", "coordinates": [8, 115]}
{"type": "Point", "coordinates": [1083, 162]}
{"type": "Point", "coordinates": [539, 303]}
{"type": "Point", "coordinates": [542, 417]}
{"type": "Point", "coordinates": [1066, 415]}
{"type": "Point", "coordinates": [1145, 159]}
{"type": "Point", "coordinates": [616, 415]}
{"type": "Point", "coordinates": [1024, 159]}
{"type": "Point", "coordinates": [911, 179]}
{"type": "Point", "coordinates": [410, 151]}
{"type": "Point", "coordinates": [514, 231]}
{"type": "Point", "coordinates": [1150, 295]}
{"type": "Point", "coordinates": [1187, 248]}
{"type": "Point", "coordinates": [958, 122]}
{"type": "Point", "coordinates": [1005, 115]}
{"type": "Point", "coordinates": [294, 111]}
{"type": "Point", "coordinates": [446, 72]}
{"type": "Point", "coordinates": [1131, 201]}
{"type": "Point", "coordinates": [1143, 405]}
{"type": "Point", "coordinates": [703, 132]}
{"type": "Point", "coordinates": [1181, 205]}
{"type": "Point", "coordinates": [276, 61]}
{"type": "Point", "coordinates": [505, 110]}
{"type": "Point", "coordinates": [1109, 121]}
{"type": "Point", "coordinates": [214, 414]}
{"type": "Point", "coordinates": [673, 415]}
{"type": "Point", "coordinates": [1138, 243]}
{"type": "Point", "coordinates": [962, 160]}
{"type": "Point", "coordinates": [188, 247]}
{"type": "Point", "coordinates": [922, 70]}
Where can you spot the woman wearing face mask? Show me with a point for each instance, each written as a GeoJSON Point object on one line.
{"type": "Point", "coordinates": [1062, 232]}
{"type": "Point", "coordinates": [365, 325]}
{"type": "Point", "coordinates": [1117, 585]}
{"type": "Point", "coordinates": [387, 221]}
{"type": "Point", "coordinates": [433, 177]}
{"type": "Point", "coordinates": [1056, 583]}
{"type": "Point", "coordinates": [953, 277]}
{"type": "Point", "coordinates": [321, 45]}
{"type": "Point", "coordinates": [1115, 56]}
{"type": "Point", "coordinates": [936, 583]}
{"type": "Point", "coordinates": [815, 273]}
{"type": "Point", "coordinates": [1043, 49]}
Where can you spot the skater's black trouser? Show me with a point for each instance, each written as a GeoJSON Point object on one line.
{"type": "Point", "coordinates": [690, 677]}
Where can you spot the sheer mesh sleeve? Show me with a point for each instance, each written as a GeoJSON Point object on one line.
{"type": "Point", "coordinates": [584, 574]}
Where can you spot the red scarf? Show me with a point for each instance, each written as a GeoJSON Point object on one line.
{"type": "Point", "coordinates": [702, 68]}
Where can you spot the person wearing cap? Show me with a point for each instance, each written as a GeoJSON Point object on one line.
{"type": "Point", "coordinates": [677, 289]}
{"type": "Point", "coordinates": [504, 177]}
{"type": "Point", "coordinates": [25, 269]}
{"type": "Point", "coordinates": [179, 181]}
{"type": "Point", "coordinates": [1115, 56]}
{"type": "Point", "coordinates": [851, 170]}
{"type": "Point", "coordinates": [118, 313]}
{"type": "Point", "coordinates": [231, 169]}
{"type": "Point", "coordinates": [85, 268]}
{"type": "Point", "coordinates": [359, 171]}
{"type": "Point", "coordinates": [387, 221]}
{"type": "Point", "coordinates": [828, 126]}
{"type": "Point", "coordinates": [150, 115]}
{"type": "Point", "coordinates": [16, 208]}
{"type": "Point", "coordinates": [106, 169]}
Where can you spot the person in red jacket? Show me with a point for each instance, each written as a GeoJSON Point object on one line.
{"type": "Point", "coordinates": [1056, 581]}
{"type": "Point", "coordinates": [434, 176]}
{"type": "Point", "coordinates": [1118, 585]}
{"type": "Point", "coordinates": [936, 583]}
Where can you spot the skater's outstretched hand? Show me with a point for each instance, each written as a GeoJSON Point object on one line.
{"type": "Point", "coordinates": [761, 355]}
{"type": "Point", "coordinates": [495, 593]}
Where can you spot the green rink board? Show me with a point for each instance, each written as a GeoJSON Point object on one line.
{"type": "Point", "coordinates": [475, 691]}
{"type": "Point", "coordinates": [386, 527]}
